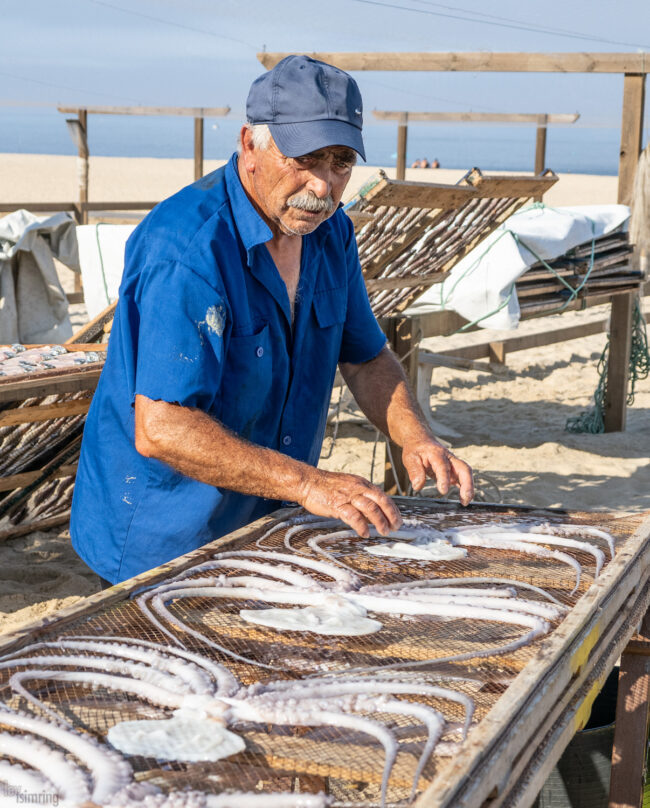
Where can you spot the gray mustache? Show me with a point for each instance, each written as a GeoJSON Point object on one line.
{"type": "Point", "coordinates": [310, 202]}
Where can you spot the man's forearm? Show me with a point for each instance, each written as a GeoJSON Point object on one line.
{"type": "Point", "coordinates": [199, 447]}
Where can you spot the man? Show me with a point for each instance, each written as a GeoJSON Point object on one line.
{"type": "Point", "coordinates": [240, 295]}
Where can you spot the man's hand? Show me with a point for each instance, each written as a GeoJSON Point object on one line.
{"type": "Point", "coordinates": [351, 499]}
{"type": "Point", "coordinates": [428, 458]}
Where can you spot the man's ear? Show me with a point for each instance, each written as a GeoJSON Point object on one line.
{"type": "Point", "coordinates": [248, 153]}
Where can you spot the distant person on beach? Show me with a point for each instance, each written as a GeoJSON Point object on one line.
{"type": "Point", "coordinates": [240, 296]}
{"type": "Point", "coordinates": [435, 163]}
{"type": "Point", "coordinates": [424, 163]}
{"type": "Point", "coordinates": [416, 163]}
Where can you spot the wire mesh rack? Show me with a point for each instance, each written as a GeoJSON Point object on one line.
{"type": "Point", "coordinates": [345, 763]}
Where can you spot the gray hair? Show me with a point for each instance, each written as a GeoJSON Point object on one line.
{"type": "Point", "coordinates": [261, 133]}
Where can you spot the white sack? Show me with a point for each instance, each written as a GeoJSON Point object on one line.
{"type": "Point", "coordinates": [481, 286]}
{"type": "Point", "coordinates": [33, 306]}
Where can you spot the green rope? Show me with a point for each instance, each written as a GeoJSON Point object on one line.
{"type": "Point", "coordinates": [592, 421]}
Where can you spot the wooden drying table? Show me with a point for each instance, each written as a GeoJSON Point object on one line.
{"type": "Point", "coordinates": [522, 727]}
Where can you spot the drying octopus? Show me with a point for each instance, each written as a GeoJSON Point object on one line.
{"type": "Point", "coordinates": [204, 698]}
{"type": "Point", "coordinates": [330, 598]}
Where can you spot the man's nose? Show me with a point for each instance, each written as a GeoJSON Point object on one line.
{"type": "Point", "coordinates": [320, 181]}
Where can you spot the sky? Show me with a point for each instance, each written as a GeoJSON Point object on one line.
{"type": "Point", "coordinates": [203, 53]}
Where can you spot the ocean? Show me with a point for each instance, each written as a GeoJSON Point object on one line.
{"type": "Point", "coordinates": [574, 149]}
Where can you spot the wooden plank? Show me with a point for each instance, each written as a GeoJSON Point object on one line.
{"type": "Point", "coordinates": [28, 415]}
{"type": "Point", "coordinates": [73, 382]}
{"type": "Point", "coordinates": [631, 134]}
{"type": "Point", "coordinates": [192, 112]}
{"type": "Point", "coordinates": [402, 134]}
{"type": "Point", "coordinates": [407, 282]}
{"type": "Point", "coordinates": [40, 207]}
{"type": "Point", "coordinates": [20, 480]}
{"type": "Point", "coordinates": [504, 186]}
{"type": "Point", "coordinates": [618, 370]}
{"type": "Point", "coordinates": [85, 347]}
{"type": "Point", "coordinates": [540, 149]}
{"type": "Point", "coordinates": [455, 362]}
{"type": "Point", "coordinates": [198, 148]}
{"type": "Point", "coordinates": [478, 61]}
{"type": "Point", "coordinates": [477, 117]}
{"type": "Point", "coordinates": [430, 195]}
{"type": "Point", "coordinates": [38, 524]}
{"type": "Point", "coordinates": [631, 731]}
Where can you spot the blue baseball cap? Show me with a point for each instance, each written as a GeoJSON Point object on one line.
{"type": "Point", "coordinates": [307, 105]}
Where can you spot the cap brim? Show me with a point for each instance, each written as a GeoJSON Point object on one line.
{"type": "Point", "coordinates": [296, 139]}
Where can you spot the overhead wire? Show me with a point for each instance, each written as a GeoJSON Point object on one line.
{"type": "Point", "coordinates": [513, 26]}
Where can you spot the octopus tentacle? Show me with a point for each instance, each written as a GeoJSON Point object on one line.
{"type": "Point", "coordinates": [25, 780]}
{"type": "Point", "coordinates": [340, 576]}
{"type": "Point", "coordinates": [68, 780]}
{"type": "Point", "coordinates": [109, 771]}
{"type": "Point", "coordinates": [442, 582]}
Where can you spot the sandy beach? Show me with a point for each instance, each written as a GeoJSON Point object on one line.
{"type": "Point", "coordinates": [510, 426]}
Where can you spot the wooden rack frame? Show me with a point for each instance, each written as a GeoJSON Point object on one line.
{"type": "Point", "coordinates": [542, 121]}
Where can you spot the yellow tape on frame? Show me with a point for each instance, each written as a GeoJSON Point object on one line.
{"type": "Point", "coordinates": [586, 647]}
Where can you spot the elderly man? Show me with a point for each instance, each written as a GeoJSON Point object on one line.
{"type": "Point", "coordinates": [240, 296]}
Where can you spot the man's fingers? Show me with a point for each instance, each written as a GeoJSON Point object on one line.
{"type": "Point", "coordinates": [389, 511]}
{"type": "Point", "coordinates": [463, 475]}
{"type": "Point", "coordinates": [415, 470]}
{"type": "Point", "coordinates": [440, 468]}
{"type": "Point", "coordinates": [354, 518]}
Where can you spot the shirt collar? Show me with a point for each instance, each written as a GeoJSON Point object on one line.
{"type": "Point", "coordinates": [253, 230]}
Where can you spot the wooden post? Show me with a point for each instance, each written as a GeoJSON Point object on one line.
{"type": "Point", "coordinates": [629, 752]}
{"type": "Point", "coordinates": [623, 305]}
{"type": "Point", "coordinates": [402, 132]}
{"type": "Point", "coordinates": [540, 148]}
{"type": "Point", "coordinates": [83, 164]}
{"type": "Point", "coordinates": [403, 336]}
{"type": "Point", "coordinates": [198, 148]}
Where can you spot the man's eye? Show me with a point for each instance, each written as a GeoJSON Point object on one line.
{"type": "Point", "coordinates": [306, 162]}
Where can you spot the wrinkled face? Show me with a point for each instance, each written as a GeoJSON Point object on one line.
{"type": "Point", "coordinates": [296, 194]}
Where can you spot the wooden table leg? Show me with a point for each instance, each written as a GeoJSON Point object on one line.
{"type": "Point", "coordinates": [618, 371]}
{"type": "Point", "coordinates": [630, 735]}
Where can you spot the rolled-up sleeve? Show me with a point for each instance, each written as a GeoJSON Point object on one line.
{"type": "Point", "coordinates": [362, 339]}
{"type": "Point", "coordinates": [178, 323]}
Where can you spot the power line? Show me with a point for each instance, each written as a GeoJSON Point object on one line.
{"type": "Point", "coordinates": [65, 87]}
{"type": "Point", "coordinates": [173, 24]}
{"type": "Point", "coordinates": [498, 24]}
{"type": "Point", "coordinates": [532, 26]}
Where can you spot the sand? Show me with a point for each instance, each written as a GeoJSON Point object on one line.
{"type": "Point", "coordinates": [510, 425]}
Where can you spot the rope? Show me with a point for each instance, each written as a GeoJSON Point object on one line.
{"type": "Point", "coordinates": [101, 263]}
{"type": "Point", "coordinates": [592, 421]}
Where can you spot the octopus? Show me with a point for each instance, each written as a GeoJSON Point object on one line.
{"type": "Point", "coordinates": [338, 592]}
{"type": "Point", "coordinates": [205, 701]}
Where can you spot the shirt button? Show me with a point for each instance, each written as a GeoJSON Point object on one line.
{"type": "Point", "coordinates": [286, 440]}
{"type": "Point", "coordinates": [259, 352]}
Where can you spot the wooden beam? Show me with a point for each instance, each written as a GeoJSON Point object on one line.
{"type": "Point", "coordinates": [476, 117]}
{"type": "Point", "coordinates": [479, 62]}
{"type": "Point", "coordinates": [45, 412]}
{"type": "Point", "coordinates": [73, 382]}
{"type": "Point", "coordinates": [198, 148]}
{"type": "Point", "coordinates": [618, 369]}
{"type": "Point", "coordinates": [510, 186]}
{"type": "Point", "coordinates": [192, 112]}
{"type": "Point", "coordinates": [431, 195]}
{"type": "Point", "coordinates": [20, 480]}
{"type": "Point", "coordinates": [631, 730]}
{"type": "Point", "coordinates": [38, 524]}
{"type": "Point", "coordinates": [631, 134]}
{"type": "Point", "coordinates": [402, 134]}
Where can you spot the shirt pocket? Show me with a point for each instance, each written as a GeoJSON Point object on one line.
{"type": "Point", "coordinates": [330, 306]}
{"type": "Point", "coordinates": [246, 381]}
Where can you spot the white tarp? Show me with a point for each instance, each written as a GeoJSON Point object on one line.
{"type": "Point", "coordinates": [33, 306]}
{"type": "Point", "coordinates": [481, 286]}
{"type": "Point", "coordinates": [101, 254]}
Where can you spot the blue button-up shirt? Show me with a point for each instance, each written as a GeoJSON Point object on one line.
{"type": "Point", "coordinates": [204, 320]}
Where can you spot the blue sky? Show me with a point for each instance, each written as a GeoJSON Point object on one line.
{"type": "Point", "coordinates": [203, 52]}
